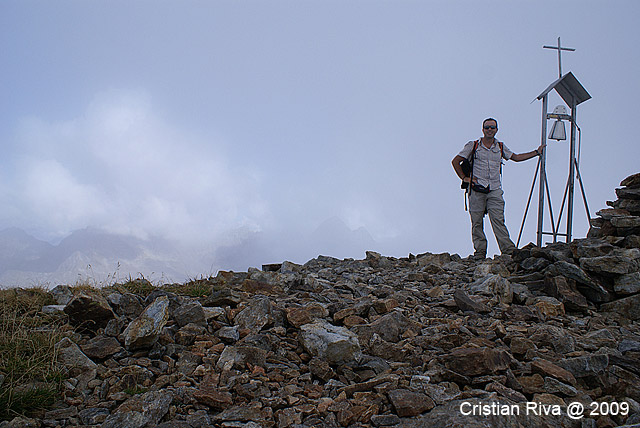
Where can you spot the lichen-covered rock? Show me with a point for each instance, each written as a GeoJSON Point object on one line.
{"type": "Point", "coordinates": [144, 330]}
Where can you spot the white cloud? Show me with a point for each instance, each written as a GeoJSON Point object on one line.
{"type": "Point", "coordinates": [123, 168]}
{"type": "Point", "coordinates": [55, 197]}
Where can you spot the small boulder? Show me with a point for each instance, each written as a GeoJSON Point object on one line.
{"type": "Point", "coordinates": [336, 345]}
{"type": "Point", "coordinates": [144, 330]}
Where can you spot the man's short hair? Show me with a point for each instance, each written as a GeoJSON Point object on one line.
{"type": "Point", "coordinates": [488, 119]}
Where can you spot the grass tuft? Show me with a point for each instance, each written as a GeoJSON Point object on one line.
{"type": "Point", "coordinates": [29, 373]}
{"type": "Point", "coordinates": [194, 288]}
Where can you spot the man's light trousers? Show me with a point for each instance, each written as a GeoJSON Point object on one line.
{"type": "Point", "coordinates": [493, 204]}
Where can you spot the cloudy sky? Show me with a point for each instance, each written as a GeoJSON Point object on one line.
{"type": "Point", "coordinates": [205, 121]}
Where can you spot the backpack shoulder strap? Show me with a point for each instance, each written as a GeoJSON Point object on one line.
{"type": "Point", "coordinates": [475, 147]}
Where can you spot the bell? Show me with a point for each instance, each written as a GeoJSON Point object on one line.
{"type": "Point", "coordinates": [557, 131]}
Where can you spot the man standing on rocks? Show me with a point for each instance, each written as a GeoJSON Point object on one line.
{"type": "Point", "coordinates": [485, 194]}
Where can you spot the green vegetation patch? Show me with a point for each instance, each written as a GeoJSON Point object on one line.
{"type": "Point", "coordinates": [30, 377]}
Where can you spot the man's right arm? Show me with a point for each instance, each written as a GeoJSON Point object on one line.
{"type": "Point", "coordinates": [457, 167]}
{"type": "Point", "coordinates": [464, 154]}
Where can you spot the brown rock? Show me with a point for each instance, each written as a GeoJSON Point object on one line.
{"type": "Point", "coordinates": [385, 306]}
{"type": "Point", "coordinates": [547, 368]}
{"type": "Point", "coordinates": [321, 369]}
{"type": "Point", "coordinates": [213, 397]}
{"type": "Point", "coordinates": [353, 320]}
{"type": "Point", "coordinates": [476, 361]}
{"type": "Point", "coordinates": [506, 392]}
{"type": "Point", "coordinates": [521, 345]}
{"type": "Point", "coordinates": [298, 317]}
{"type": "Point", "coordinates": [409, 403]}
{"type": "Point", "coordinates": [288, 417]}
{"type": "Point", "coordinates": [632, 181]}
{"type": "Point", "coordinates": [532, 384]}
{"type": "Point", "coordinates": [89, 312]}
{"type": "Point", "coordinates": [565, 290]}
{"type": "Point", "coordinates": [101, 347]}
{"type": "Point", "coordinates": [549, 307]}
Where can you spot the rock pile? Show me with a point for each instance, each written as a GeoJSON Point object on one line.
{"type": "Point", "coordinates": [426, 340]}
{"type": "Point", "coordinates": [623, 218]}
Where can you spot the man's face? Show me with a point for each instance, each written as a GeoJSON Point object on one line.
{"type": "Point", "coordinates": [490, 128]}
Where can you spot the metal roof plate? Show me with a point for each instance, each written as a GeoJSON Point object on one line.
{"type": "Point", "coordinates": [569, 89]}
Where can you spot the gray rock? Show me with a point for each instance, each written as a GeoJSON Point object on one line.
{"type": "Point", "coordinates": [188, 362]}
{"type": "Point", "coordinates": [336, 345]}
{"type": "Point", "coordinates": [628, 193]}
{"type": "Point", "coordinates": [433, 259]}
{"type": "Point", "coordinates": [494, 286]}
{"type": "Point", "coordinates": [566, 291]}
{"type": "Point", "coordinates": [585, 366]}
{"type": "Point", "coordinates": [21, 422]}
{"type": "Point", "coordinates": [554, 386]}
{"type": "Point", "coordinates": [389, 327]}
{"type": "Point", "coordinates": [80, 367]}
{"type": "Point", "coordinates": [127, 304]}
{"type": "Point", "coordinates": [619, 261]}
{"type": "Point", "coordinates": [71, 356]}
{"type": "Point", "coordinates": [627, 284]}
{"type": "Point", "coordinates": [598, 339]}
{"type": "Point", "coordinates": [53, 309]}
{"type": "Point", "coordinates": [556, 338]}
{"type": "Point", "coordinates": [187, 334]}
{"type": "Point", "coordinates": [590, 247]}
{"type": "Point", "coordinates": [93, 415]}
{"type": "Point", "coordinates": [632, 181]}
{"type": "Point", "coordinates": [62, 294]}
{"type": "Point", "coordinates": [629, 307]}
{"type": "Point", "coordinates": [190, 312]}
{"type": "Point", "coordinates": [229, 334]}
{"type": "Point", "coordinates": [144, 330]}
{"type": "Point", "coordinates": [465, 303]}
{"type": "Point", "coordinates": [627, 345]}
{"type": "Point", "coordinates": [238, 356]}
{"type": "Point", "coordinates": [589, 287]}
{"type": "Point", "coordinates": [256, 315]}
{"type": "Point", "coordinates": [140, 411]}
{"type": "Point", "coordinates": [385, 420]}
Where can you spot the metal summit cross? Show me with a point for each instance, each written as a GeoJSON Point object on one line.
{"type": "Point", "coordinates": [560, 49]}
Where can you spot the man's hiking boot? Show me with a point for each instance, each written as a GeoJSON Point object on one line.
{"type": "Point", "coordinates": [479, 256]}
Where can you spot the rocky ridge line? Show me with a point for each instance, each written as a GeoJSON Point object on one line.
{"type": "Point", "coordinates": [367, 343]}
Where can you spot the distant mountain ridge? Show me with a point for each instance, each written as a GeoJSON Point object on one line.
{"type": "Point", "coordinates": [98, 256]}
{"type": "Point", "coordinates": [85, 254]}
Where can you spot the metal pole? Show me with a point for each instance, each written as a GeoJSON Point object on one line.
{"type": "Point", "coordinates": [559, 60]}
{"type": "Point", "coordinates": [526, 210]}
{"type": "Point", "coordinates": [543, 172]}
{"type": "Point", "coordinates": [572, 169]}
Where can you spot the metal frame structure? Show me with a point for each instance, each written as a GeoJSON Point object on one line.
{"type": "Point", "coordinates": [573, 94]}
